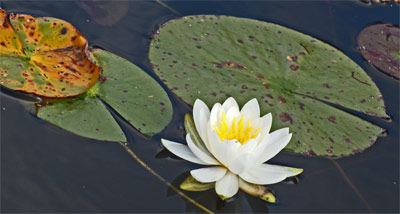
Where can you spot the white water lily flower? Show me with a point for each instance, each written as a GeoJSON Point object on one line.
{"type": "Point", "coordinates": [237, 143]}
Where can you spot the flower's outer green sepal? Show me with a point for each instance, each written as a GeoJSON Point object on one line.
{"type": "Point", "coordinates": [296, 171]}
{"type": "Point", "coordinates": [191, 184]}
{"type": "Point", "coordinates": [257, 190]}
{"type": "Point", "coordinates": [191, 129]}
{"type": "Point", "coordinates": [222, 197]}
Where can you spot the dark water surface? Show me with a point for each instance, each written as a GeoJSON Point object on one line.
{"type": "Point", "coordinates": [46, 169]}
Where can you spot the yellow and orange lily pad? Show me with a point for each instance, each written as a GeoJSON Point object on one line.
{"type": "Point", "coordinates": [44, 56]}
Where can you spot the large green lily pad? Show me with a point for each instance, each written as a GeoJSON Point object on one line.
{"type": "Point", "coordinates": [125, 88]}
{"type": "Point", "coordinates": [44, 56]}
{"type": "Point", "coordinates": [292, 75]}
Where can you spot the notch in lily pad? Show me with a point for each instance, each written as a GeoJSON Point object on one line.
{"type": "Point", "coordinates": [124, 88]}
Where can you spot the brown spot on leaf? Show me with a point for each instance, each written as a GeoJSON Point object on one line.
{"type": "Point", "coordinates": [229, 64]}
{"type": "Point", "coordinates": [285, 117]}
{"type": "Point", "coordinates": [332, 119]}
{"type": "Point", "coordinates": [326, 85]}
{"type": "Point", "coordinates": [294, 67]}
{"type": "Point", "coordinates": [301, 106]}
{"type": "Point", "coordinates": [281, 100]}
{"type": "Point", "coordinates": [260, 76]}
{"type": "Point", "coordinates": [64, 30]}
{"type": "Point", "coordinates": [311, 152]}
{"type": "Point", "coordinates": [265, 85]}
{"type": "Point", "coordinates": [292, 58]}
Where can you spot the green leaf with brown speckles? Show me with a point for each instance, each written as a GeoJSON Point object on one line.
{"type": "Point", "coordinates": [292, 75]}
{"type": "Point", "coordinates": [126, 89]}
{"type": "Point", "coordinates": [44, 56]}
{"type": "Point", "coordinates": [85, 116]}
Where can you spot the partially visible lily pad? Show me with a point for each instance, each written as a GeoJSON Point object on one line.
{"type": "Point", "coordinates": [292, 75]}
{"type": "Point", "coordinates": [380, 45]}
{"type": "Point", "coordinates": [44, 56]}
{"type": "Point", "coordinates": [126, 89]}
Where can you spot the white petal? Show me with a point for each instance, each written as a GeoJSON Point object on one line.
{"type": "Point", "coordinates": [182, 151]}
{"type": "Point", "coordinates": [268, 174]}
{"type": "Point", "coordinates": [272, 149]}
{"type": "Point", "coordinates": [264, 123]}
{"type": "Point", "coordinates": [275, 137]}
{"type": "Point", "coordinates": [209, 174]}
{"type": "Point", "coordinates": [213, 139]}
{"type": "Point", "coordinates": [203, 122]}
{"type": "Point", "coordinates": [227, 186]}
{"type": "Point", "coordinates": [230, 103]}
{"type": "Point", "coordinates": [257, 177]}
{"type": "Point", "coordinates": [251, 110]}
{"type": "Point", "coordinates": [278, 134]}
{"type": "Point", "coordinates": [241, 164]}
{"type": "Point", "coordinates": [201, 113]}
{"type": "Point", "coordinates": [249, 146]}
{"type": "Point", "coordinates": [288, 171]}
{"type": "Point", "coordinates": [232, 112]}
{"type": "Point", "coordinates": [214, 115]}
{"type": "Point", "coordinates": [202, 155]}
{"type": "Point", "coordinates": [226, 151]}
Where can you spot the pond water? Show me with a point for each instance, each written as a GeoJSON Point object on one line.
{"type": "Point", "coordinates": [46, 169]}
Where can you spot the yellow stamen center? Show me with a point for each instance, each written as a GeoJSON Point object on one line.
{"type": "Point", "coordinates": [237, 130]}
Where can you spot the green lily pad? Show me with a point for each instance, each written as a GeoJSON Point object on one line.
{"type": "Point", "coordinates": [292, 75]}
{"type": "Point", "coordinates": [86, 116]}
{"type": "Point", "coordinates": [380, 45]}
{"type": "Point", "coordinates": [125, 88]}
{"type": "Point", "coordinates": [44, 56]}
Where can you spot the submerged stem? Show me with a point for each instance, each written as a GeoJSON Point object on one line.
{"type": "Point", "coordinates": [134, 156]}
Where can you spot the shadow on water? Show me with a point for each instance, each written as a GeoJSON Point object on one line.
{"type": "Point", "coordinates": [46, 169]}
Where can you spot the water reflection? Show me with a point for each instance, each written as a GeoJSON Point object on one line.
{"type": "Point", "coordinates": [237, 204]}
{"type": "Point", "coordinates": [106, 13]}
